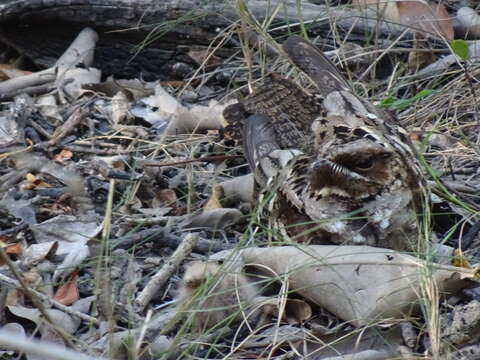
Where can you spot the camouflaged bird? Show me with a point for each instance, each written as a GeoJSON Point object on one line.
{"type": "Point", "coordinates": [335, 168]}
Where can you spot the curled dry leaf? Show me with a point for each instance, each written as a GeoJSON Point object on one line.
{"type": "Point", "coordinates": [358, 284]}
{"type": "Point", "coordinates": [58, 317]}
{"type": "Point", "coordinates": [36, 253]}
{"type": "Point", "coordinates": [67, 230]}
{"type": "Point", "coordinates": [424, 15]}
{"type": "Point", "coordinates": [13, 249]}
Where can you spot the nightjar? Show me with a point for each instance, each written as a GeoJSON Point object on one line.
{"type": "Point", "coordinates": [332, 167]}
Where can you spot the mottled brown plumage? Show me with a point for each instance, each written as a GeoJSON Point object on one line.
{"type": "Point", "coordinates": [341, 171]}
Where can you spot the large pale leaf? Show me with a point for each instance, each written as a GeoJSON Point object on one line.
{"type": "Point", "coordinates": [426, 17]}
{"type": "Point", "coordinates": [359, 284]}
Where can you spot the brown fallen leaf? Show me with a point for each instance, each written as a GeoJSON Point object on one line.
{"type": "Point", "coordinates": [13, 249]}
{"type": "Point", "coordinates": [424, 15]}
{"type": "Point", "coordinates": [34, 182]}
{"type": "Point", "coordinates": [63, 155]}
{"type": "Point", "coordinates": [67, 293]}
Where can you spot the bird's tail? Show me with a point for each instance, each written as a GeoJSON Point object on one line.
{"type": "Point", "coordinates": [316, 65]}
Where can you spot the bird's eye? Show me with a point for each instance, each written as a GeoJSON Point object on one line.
{"type": "Point", "coordinates": [365, 165]}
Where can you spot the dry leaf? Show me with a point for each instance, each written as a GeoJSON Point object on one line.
{"type": "Point", "coordinates": [214, 201]}
{"type": "Point", "coordinates": [34, 182]}
{"type": "Point", "coordinates": [68, 230]}
{"type": "Point", "coordinates": [63, 155]}
{"type": "Point", "coordinates": [67, 293]}
{"type": "Point", "coordinates": [359, 284]}
{"type": "Point", "coordinates": [13, 249]}
{"type": "Point", "coordinates": [425, 15]}
{"type": "Point", "coordinates": [36, 253]}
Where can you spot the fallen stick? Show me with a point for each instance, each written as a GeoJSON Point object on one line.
{"type": "Point", "coordinates": [11, 86]}
{"type": "Point", "coordinates": [81, 50]}
{"type": "Point", "coordinates": [167, 270]}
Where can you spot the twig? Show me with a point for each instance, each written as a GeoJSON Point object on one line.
{"type": "Point", "coordinates": [46, 350]}
{"type": "Point", "coordinates": [30, 90]}
{"type": "Point", "coordinates": [78, 148]}
{"type": "Point", "coordinates": [67, 127]}
{"type": "Point", "coordinates": [161, 277]}
{"type": "Point", "coordinates": [162, 239]}
{"type": "Point", "coordinates": [12, 86]}
{"type": "Point", "coordinates": [202, 159]}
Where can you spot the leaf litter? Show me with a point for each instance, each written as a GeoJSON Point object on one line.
{"type": "Point", "coordinates": [128, 225]}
